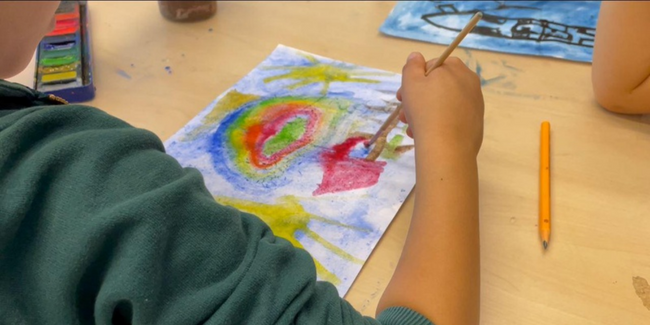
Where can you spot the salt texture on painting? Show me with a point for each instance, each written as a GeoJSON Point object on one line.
{"type": "Point", "coordinates": [286, 143]}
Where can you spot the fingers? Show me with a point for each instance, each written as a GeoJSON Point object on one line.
{"type": "Point", "coordinates": [402, 117]}
{"type": "Point", "coordinates": [399, 94]}
{"type": "Point", "coordinates": [414, 66]}
{"type": "Point", "coordinates": [409, 132]}
{"type": "Point", "coordinates": [452, 62]}
{"type": "Point", "coordinates": [430, 63]}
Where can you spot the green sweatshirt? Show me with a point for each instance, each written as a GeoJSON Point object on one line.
{"type": "Point", "coordinates": [99, 225]}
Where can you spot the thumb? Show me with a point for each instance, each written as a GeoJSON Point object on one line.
{"type": "Point", "coordinates": [415, 66]}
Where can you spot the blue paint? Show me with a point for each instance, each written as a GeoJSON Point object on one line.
{"type": "Point", "coordinates": [407, 21]}
{"type": "Point", "coordinates": [360, 151]}
{"type": "Point", "coordinates": [123, 74]}
{"type": "Point", "coordinates": [485, 82]}
{"type": "Point", "coordinates": [509, 85]}
{"type": "Point", "coordinates": [505, 64]}
{"type": "Point", "coordinates": [168, 69]}
{"type": "Point", "coordinates": [222, 156]}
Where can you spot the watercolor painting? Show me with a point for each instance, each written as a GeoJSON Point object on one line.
{"type": "Point", "coordinates": [287, 143]}
{"type": "Point", "coordinates": [559, 29]}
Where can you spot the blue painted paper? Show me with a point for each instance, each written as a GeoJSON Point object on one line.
{"type": "Point", "coordinates": [559, 29]}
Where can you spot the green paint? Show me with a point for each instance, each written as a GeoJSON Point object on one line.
{"type": "Point", "coordinates": [59, 53]}
{"type": "Point", "coordinates": [68, 59]}
{"type": "Point", "coordinates": [389, 151]}
{"type": "Point", "coordinates": [291, 132]}
{"type": "Point", "coordinates": [393, 149]}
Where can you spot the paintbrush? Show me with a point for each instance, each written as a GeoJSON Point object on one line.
{"type": "Point", "coordinates": [468, 28]}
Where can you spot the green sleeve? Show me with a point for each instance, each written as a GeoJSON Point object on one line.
{"type": "Point", "coordinates": [99, 225]}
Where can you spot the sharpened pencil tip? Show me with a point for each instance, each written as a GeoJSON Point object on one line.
{"type": "Point", "coordinates": [545, 244]}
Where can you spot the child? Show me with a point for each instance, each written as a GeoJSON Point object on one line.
{"type": "Point", "coordinates": [99, 225]}
{"type": "Point", "coordinates": [621, 65]}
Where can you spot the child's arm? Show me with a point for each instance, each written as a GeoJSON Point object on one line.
{"type": "Point", "coordinates": [438, 274]}
{"type": "Point", "coordinates": [101, 226]}
{"type": "Point", "coordinates": [621, 64]}
{"type": "Point", "coordinates": [98, 225]}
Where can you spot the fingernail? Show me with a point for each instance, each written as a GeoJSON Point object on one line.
{"type": "Point", "coordinates": [412, 56]}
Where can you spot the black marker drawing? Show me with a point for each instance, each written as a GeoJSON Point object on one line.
{"type": "Point", "coordinates": [538, 30]}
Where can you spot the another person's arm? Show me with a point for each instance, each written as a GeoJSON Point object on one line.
{"type": "Point", "coordinates": [438, 273]}
{"type": "Point", "coordinates": [621, 63]}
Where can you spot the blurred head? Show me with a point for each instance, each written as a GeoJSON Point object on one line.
{"type": "Point", "coordinates": [22, 26]}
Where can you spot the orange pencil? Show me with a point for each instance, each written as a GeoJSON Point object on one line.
{"type": "Point", "coordinates": [545, 184]}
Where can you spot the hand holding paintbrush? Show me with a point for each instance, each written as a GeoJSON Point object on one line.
{"type": "Point", "coordinates": [444, 112]}
{"type": "Point", "coordinates": [430, 67]}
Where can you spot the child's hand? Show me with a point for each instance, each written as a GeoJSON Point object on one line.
{"type": "Point", "coordinates": [444, 108]}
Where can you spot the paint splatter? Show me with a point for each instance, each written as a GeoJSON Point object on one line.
{"type": "Point", "coordinates": [261, 140]}
{"type": "Point", "coordinates": [506, 65]}
{"type": "Point", "coordinates": [210, 29]}
{"type": "Point", "coordinates": [123, 74]}
{"type": "Point", "coordinates": [642, 289]}
{"type": "Point", "coordinates": [315, 72]}
{"type": "Point", "coordinates": [343, 173]}
{"type": "Point", "coordinates": [287, 219]}
{"type": "Point", "coordinates": [132, 65]}
{"type": "Point", "coordinates": [168, 69]}
{"type": "Point", "coordinates": [485, 82]}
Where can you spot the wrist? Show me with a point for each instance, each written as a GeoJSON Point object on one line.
{"type": "Point", "coordinates": [448, 164]}
{"type": "Point", "coordinates": [438, 149]}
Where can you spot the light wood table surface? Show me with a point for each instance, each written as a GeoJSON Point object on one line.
{"type": "Point", "coordinates": [600, 161]}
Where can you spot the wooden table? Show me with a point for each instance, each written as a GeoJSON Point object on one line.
{"type": "Point", "coordinates": [601, 161]}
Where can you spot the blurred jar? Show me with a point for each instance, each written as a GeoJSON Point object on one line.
{"type": "Point", "coordinates": [187, 10]}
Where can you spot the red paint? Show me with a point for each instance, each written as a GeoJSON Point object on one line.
{"type": "Point", "coordinates": [342, 173]}
{"type": "Point", "coordinates": [63, 27]}
{"type": "Point", "coordinates": [273, 121]}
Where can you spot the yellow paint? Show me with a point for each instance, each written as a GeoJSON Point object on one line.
{"type": "Point", "coordinates": [319, 72]}
{"type": "Point", "coordinates": [228, 103]}
{"type": "Point", "coordinates": [54, 77]}
{"type": "Point", "coordinates": [286, 219]}
{"type": "Point", "coordinates": [59, 68]}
